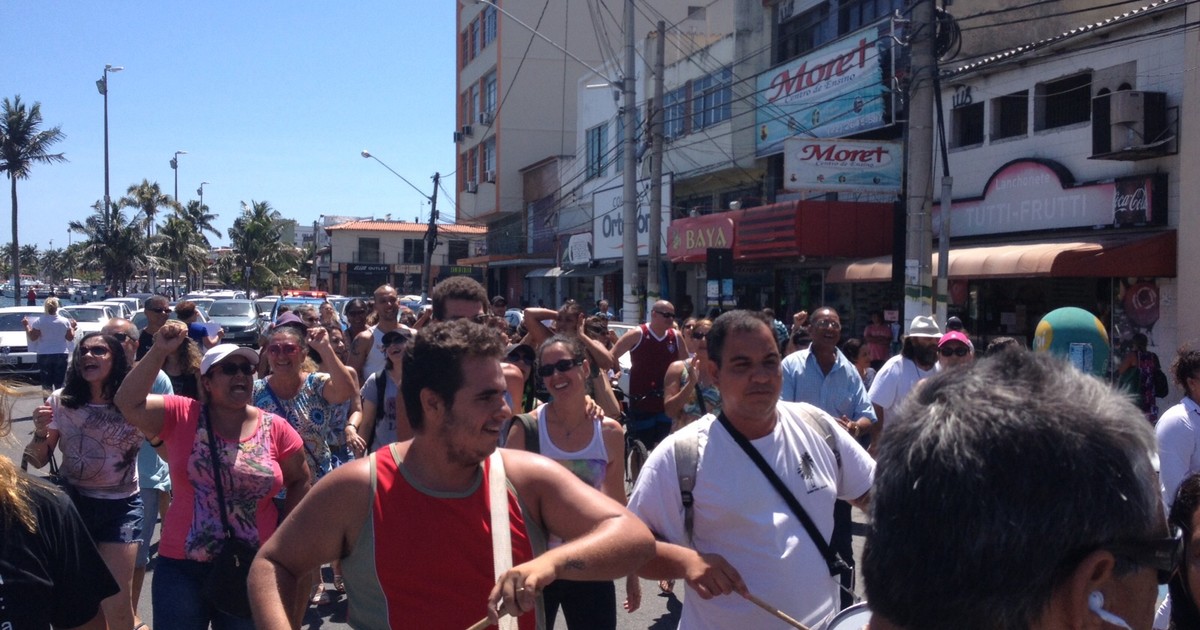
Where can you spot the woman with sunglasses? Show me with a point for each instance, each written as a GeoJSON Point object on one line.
{"type": "Point", "coordinates": [257, 454]}
{"type": "Point", "coordinates": [384, 419]}
{"type": "Point", "coordinates": [688, 388]}
{"type": "Point", "coordinates": [522, 392]}
{"type": "Point", "coordinates": [591, 448]}
{"type": "Point", "coordinates": [99, 452]}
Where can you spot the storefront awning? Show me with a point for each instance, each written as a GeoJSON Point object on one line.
{"type": "Point", "coordinates": [545, 272]}
{"type": "Point", "coordinates": [589, 272]}
{"type": "Point", "coordinates": [1107, 256]}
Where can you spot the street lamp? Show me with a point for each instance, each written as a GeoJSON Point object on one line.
{"type": "Point", "coordinates": [175, 167]}
{"type": "Point", "coordinates": [102, 85]}
{"type": "Point", "coordinates": [204, 268]}
{"type": "Point", "coordinates": [430, 231]}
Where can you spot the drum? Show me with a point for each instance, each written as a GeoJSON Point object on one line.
{"type": "Point", "coordinates": [856, 617]}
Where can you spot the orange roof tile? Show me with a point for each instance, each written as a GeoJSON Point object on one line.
{"type": "Point", "coordinates": [408, 226]}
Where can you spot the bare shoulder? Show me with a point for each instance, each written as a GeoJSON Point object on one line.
{"type": "Point", "coordinates": [608, 426]}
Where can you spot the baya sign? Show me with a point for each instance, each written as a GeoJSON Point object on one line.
{"type": "Point", "coordinates": [842, 165]}
{"type": "Point", "coordinates": [837, 91]}
{"type": "Point", "coordinates": [692, 238]}
{"type": "Point", "coordinates": [608, 224]}
{"type": "Point", "coordinates": [1029, 195]}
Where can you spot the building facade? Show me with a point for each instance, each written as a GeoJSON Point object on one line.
{"type": "Point", "coordinates": [367, 254]}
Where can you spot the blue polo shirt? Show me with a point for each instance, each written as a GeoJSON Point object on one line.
{"type": "Point", "coordinates": [839, 393]}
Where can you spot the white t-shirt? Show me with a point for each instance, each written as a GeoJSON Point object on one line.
{"type": "Point", "coordinates": [385, 425]}
{"type": "Point", "coordinates": [54, 334]}
{"type": "Point", "coordinates": [738, 515]}
{"type": "Point", "coordinates": [1178, 452]}
{"type": "Point", "coordinates": [894, 381]}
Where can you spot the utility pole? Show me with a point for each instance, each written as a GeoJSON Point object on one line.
{"type": "Point", "coordinates": [430, 240]}
{"type": "Point", "coordinates": [654, 257]}
{"type": "Point", "coordinates": [629, 256]}
{"type": "Point", "coordinates": [918, 279]}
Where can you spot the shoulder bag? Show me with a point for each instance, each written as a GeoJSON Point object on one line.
{"type": "Point", "coordinates": [225, 587]}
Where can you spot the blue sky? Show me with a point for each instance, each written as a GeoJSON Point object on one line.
{"type": "Point", "coordinates": [273, 101]}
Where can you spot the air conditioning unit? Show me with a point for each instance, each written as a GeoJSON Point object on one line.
{"type": "Point", "coordinates": [472, 187]}
{"type": "Point", "coordinates": [489, 177]}
{"type": "Point", "coordinates": [1129, 125]}
{"type": "Point", "coordinates": [458, 137]}
{"type": "Point", "coordinates": [466, 130]}
{"type": "Point", "coordinates": [486, 118]}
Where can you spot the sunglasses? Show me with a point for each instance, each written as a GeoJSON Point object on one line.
{"type": "Point", "coordinates": [229, 369]}
{"type": "Point", "coordinates": [827, 323]}
{"type": "Point", "coordinates": [160, 311]}
{"type": "Point", "coordinates": [122, 337]}
{"type": "Point", "coordinates": [283, 348]}
{"type": "Point", "coordinates": [666, 315]}
{"type": "Point", "coordinates": [699, 335]}
{"type": "Point", "coordinates": [96, 351]}
{"type": "Point", "coordinates": [960, 351]}
{"type": "Point", "coordinates": [520, 357]}
{"type": "Point", "coordinates": [562, 365]}
{"type": "Point", "coordinates": [1161, 554]}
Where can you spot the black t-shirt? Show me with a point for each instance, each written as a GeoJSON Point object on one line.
{"type": "Point", "coordinates": [55, 576]}
{"type": "Point", "coordinates": [145, 340]}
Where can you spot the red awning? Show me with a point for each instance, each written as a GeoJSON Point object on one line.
{"type": "Point", "coordinates": [813, 228]}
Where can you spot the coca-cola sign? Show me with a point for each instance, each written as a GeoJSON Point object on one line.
{"type": "Point", "coordinates": [1131, 201]}
{"type": "Point", "coordinates": [842, 165]}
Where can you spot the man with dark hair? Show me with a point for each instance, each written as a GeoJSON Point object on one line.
{"type": "Point", "coordinates": [411, 523]}
{"type": "Point", "coordinates": [744, 536]}
{"type": "Point", "coordinates": [1016, 493]}
{"type": "Point", "coordinates": [900, 374]}
{"type": "Point", "coordinates": [458, 296]}
{"type": "Point", "coordinates": [158, 311]}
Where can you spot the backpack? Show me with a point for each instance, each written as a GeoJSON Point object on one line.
{"type": "Point", "coordinates": [687, 460]}
{"type": "Point", "coordinates": [381, 381]}
{"type": "Point", "coordinates": [528, 424]}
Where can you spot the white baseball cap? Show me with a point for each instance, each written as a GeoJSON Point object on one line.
{"type": "Point", "coordinates": [220, 352]}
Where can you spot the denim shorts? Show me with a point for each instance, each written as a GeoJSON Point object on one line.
{"type": "Point", "coordinates": [112, 520]}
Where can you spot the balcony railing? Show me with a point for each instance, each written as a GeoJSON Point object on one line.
{"type": "Point", "coordinates": [367, 256]}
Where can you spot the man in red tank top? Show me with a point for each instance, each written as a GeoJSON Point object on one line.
{"type": "Point", "coordinates": [653, 347]}
{"type": "Point", "coordinates": [412, 526]}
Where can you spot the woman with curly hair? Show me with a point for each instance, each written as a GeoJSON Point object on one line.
{"type": "Point", "coordinates": [99, 451]}
{"type": "Point", "coordinates": [183, 368]}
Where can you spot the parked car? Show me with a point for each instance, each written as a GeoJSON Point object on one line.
{"type": "Point", "coordinates": [88, 317]}
{"type": "Point", "coordinates": [140, 297]}
{"type": "Point", "coordinates": [139, 318]}
{"type": "Point", "coordinates": [240, 320]}
{"type": "Point", "coordinates": [265, 305]}
{"type": "Point", "coordinates": [228, 295]}
{"type": "Point", "coordinates": [121, 309]}
{"type": "Point", "coordinates": [16, 357]}
{"type": "Point", "coordinates": [132, 304]}
{"type": "Point", "coordinates": [202, 303]}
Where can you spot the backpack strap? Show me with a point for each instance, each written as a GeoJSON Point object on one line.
{"type": "Point", "coordinates": [528, 424]}
{"type": "Point", "coordinates": [687, 460]}
{"type": "Point", "coordinates": [502, 559]}
{"type": "Point", "coordinates": [815, 420]}
{"type": "Point", "coordinates": [381, 381]}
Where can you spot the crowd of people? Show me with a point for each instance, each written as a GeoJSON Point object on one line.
{"type": "Point", "coordinates": [1008, 491]}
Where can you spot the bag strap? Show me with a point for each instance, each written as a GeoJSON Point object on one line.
{"type": "Point", "coordinates": [216, 462]}
{"type": "Point", "coordinates": [528, 424]}
{"type": "Point", "coordinates": [687, 460]}
{"type": "Point", "coordinates": [381, 381]}
{"type": "Point", "coordinates": [502, 558]}
{"type": "Point", "coordinates": [836, 565]}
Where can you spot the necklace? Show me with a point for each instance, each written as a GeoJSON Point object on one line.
{"type": "Point", "coordinates": [567, 431]}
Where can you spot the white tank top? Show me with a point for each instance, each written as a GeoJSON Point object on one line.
{"type": "Point", "coordinates": [588, 463]}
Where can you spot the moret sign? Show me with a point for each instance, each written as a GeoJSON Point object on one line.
{"type": "Point", "coordinates": [842, 165]}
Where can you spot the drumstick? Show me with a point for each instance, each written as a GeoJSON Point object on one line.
{"type": "Point", "coordinates": [480, 625]}
{"type": "Point", "coordinates": [775, 611]}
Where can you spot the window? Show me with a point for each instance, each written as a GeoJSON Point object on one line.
{"type": "Point", "coordinates": [457, 248]}
{"type": "Point", "coordinates": [489, 93]}
{"type": "Point", "coordinates": [855, 14]}
{"type": "Point", "coordinates": [487, 155]}
{"type": "Point", "coordinates": [368, 250]}
{"type": "Point", "coordinates": [1064, 102]}
{"type": "Point", "coordinates": [474, 38]}
{"type": "Point", "coordinates": [472, 104]}
{"type": "Point", "coordinates": [675, 110]}
{"type": "Point", "coordinates": [1010, 115]}
{"type": "Point", "coordinates": [597, 150]}
{"type": "Point", "coordinates": [414, 251]}
{"type": "Point", "coordinates": [473, 165]}
{"type": "Point", "coordinates": [968, 125]}
{"type": "Point", "coordinates": [489, 25]}
{"type": "Point", "coordinates": [711, 98]}
{"type": "Point", "coordinates": [803, 33]}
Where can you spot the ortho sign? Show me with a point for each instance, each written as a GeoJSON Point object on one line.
{"type": "Point", "coordinates": [1029, 195]}
{"type": "Point", "coordinates": [842, 165]}
{"type": "Point", "coordinates": [608, 224]}
{"type": "Point", "coordinates": [836, 91]}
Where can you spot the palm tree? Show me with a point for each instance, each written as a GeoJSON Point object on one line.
{"type": "Point", "coordinates": [180, 244]}
{"type": "Point", "coordinates": [147, 198]}
{"type": "Point", "coordinates": [112, 244]}
{"type": "Point", "coordinates": [22, 144]}
{"type": "Point", "coordinates": [258, 247]}
{"type": "Point", "coordinates": [200, 220]}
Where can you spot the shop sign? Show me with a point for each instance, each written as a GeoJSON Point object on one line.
{"type": "Point", "coordinates": [608, 224]}
{"type": "Point", "coordinates": [578, 250]}
{"type": "Point", "coordinates": [695, 236]}
{"type": "Point", "coordinates": [1030, 195]}
{"type": "Point", "coordinates": [366, 268]}
{"type": "Point", "coordinates": [843, 165]}
{"type": "Point", "coordinates": [838, 90]}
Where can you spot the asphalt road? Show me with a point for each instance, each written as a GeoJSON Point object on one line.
{"type": "Point", "coordinates": [658, 612]}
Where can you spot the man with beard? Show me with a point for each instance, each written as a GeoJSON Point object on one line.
{"type": "Point", "coordinates": [366, 350]}
{"type": "Point", "coordinates": [822, 376]}
{"type": "Point", "coordinates": [412, 523]}
{"type": "Point", "coordinates": [901, 373]}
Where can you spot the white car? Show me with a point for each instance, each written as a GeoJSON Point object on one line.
{"type": "Point", "coordinates": [120, 309]}
{"type": "Point", "coordinates": [88, 317]}
{"type": "Point", "coordinates": [16, 357]}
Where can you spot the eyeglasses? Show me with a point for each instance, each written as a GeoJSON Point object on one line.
{"type": "Point", "coordinates": [828, 324]}
{"type": "Point", "coordinates": [229, 369]}
{"type": "Point", "coordinates": [160, 311]}
{"type": "Point", "coordinates": [517, 357]}
{"type": "Point", "coordinates": [96, 351]}
{"type": "Point", "coordinates": [960, 351]}
{"type": "Point", "coordinates": [563, 365]}
{"type": "Point", "coordinates": [699, 335]}
{"type": "Point", "coordinates": [1161, 554]}
{"type": "Point", "coordinates": [283, 348]}
{"type": "Point", "coordinates": [122, 337]}
{"type": "Point", "coordinates": [670, 315]}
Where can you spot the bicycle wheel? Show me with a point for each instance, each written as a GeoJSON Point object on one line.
{"type": "Point", "coordinates": [635, 458]}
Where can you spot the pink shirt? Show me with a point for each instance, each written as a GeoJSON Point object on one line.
{"type": "Point", "coordinates": [193, 529]}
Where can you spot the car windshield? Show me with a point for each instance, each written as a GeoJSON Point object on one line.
{"type": "Point", "coordinates": [230, 308]}
{"type": "Point", "coordinates": [12, 321]}
{"type": "Point", "coordinates": [91, 315]}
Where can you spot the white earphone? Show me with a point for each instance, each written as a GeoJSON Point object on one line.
{"type": "Point", "coordinates": [1096, 605]}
